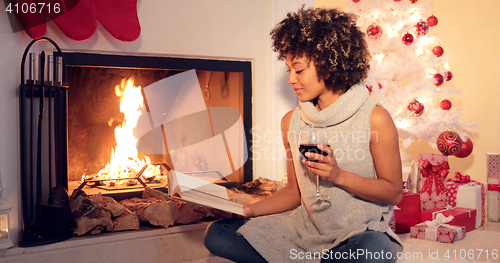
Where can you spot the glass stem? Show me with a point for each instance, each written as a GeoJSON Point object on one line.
{"type": "Point", "coordinates": [317, 187]}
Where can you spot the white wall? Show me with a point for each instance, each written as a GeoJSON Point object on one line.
{"type": "Point", "coordinates": [224, 29]}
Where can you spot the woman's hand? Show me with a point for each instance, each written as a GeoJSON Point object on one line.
{"type": "Point", "coordinates": [326, 165]}
{"type": "Point", "coordinates": [387, 186]}
{"type": "Point", "coordinates": [247, 211]}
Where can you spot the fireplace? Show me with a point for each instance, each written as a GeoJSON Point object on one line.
{"type": "Point", "coordinates": [94, 109]}
{"type": "Point", "coordinates": [93, 114]}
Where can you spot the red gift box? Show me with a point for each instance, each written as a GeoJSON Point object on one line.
{"type": "Point", "coordinates": [407, 213]}
{"type": "Point", "coordinates": [433, 169]}
{"type": "Point", "coordinates": [461, 216]}
{"type": "Point", "coordinates": [441, 232]}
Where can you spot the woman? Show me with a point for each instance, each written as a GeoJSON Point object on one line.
{"type": "Point", "coordinates": [327, 59]}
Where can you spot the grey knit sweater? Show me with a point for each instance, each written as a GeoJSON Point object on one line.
{"type": "Point", "coordinates": [314, 227]}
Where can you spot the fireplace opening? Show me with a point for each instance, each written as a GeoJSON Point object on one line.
{"type": "Point", "coordinates": [94, 115]}
{"type": "Point", "coordinates": [69, 132]}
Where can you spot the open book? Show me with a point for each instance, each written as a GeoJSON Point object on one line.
{"type": "Point", "coordinates": [194, 190]}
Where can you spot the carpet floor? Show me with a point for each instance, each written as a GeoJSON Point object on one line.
{"type": "Point", "coordinates": [480, 245]}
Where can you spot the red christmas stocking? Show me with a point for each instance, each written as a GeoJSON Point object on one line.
{"type": "Point", "coordinates": [79, 19]}
{"type": "Point", "coordinates": [33, 23]}
{"type": "Point", "coordinates": [119, 18]}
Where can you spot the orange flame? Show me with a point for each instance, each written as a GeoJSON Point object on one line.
{"type": "Point", "coordinates": [124, 161]}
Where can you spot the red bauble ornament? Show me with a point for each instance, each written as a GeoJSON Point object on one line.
{"type": "Point", "coordinates": [397, 0]}
{"type": "Point", "coordinates": [448, 75]}
{"type": "Point", "coordinates": [466, 148]}
{"type": "Point", "coordinates": [408, 39]}
{"type": "Point", "coordinates": [432, 20]}
{"type": "Point", "coordinates": [449, 143]}
{"type": "Point", "coordinates": [355, 1]}
{"type": "Point", "coordinates": [421, 28]}
{"type": "Point", "coordinates": [413, 1]}
{"type": "Point", "coordinates": [438, 51]}
{"type": "Point", "coordinates": [374, 31]}
{"type": "Point", "coordinates": [370, 87]}
{"type": "Point", "coordinates": [445, 104]}
{"type": "Point", "coordinates": [438, 79]}
{"type": "Point", "coordinates": [416, 108]}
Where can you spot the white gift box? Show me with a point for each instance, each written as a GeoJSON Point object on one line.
{"type": "Point", "coordinates": [469, 196]}
{"type": "Point", "coordinates": [410, 176]}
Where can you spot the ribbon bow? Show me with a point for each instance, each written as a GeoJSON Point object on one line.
{"type": "Point", "coordinates": [459, 178]}
{"type": "Point", "coordinates": [441, 220]}
{"type": "Point", "coordinates": [434, 175]}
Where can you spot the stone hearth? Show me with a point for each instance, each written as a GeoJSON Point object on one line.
{"type": "Point", "coordinates": [178, 243]}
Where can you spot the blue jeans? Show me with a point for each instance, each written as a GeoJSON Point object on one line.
{"type": "Point", "coordinates": [370, 246]}
{"type": "Point", "coordinates": [222, 240]}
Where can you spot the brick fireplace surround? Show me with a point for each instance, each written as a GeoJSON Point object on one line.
{"type": "Point", "coordinates": [218, 29]}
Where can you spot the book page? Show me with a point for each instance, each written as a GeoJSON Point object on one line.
{"type": "Point", "coordinates": [187, 183]}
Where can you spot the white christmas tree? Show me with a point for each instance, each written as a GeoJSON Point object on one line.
{"type": "Point", "coordinates": [410, 74]}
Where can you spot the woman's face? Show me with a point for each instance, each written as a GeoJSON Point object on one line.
{"type": "Point", "coordinates": [304, 79]}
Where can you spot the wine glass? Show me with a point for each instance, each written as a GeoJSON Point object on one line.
{"type": "Point", "coordinates": [310, 136]}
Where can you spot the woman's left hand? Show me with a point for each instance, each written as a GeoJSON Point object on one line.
{"type": "Point", "coordinates": [326, 166]}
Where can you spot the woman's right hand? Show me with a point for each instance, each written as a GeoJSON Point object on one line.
{"type": "Point", "coordinates": [247, 211]}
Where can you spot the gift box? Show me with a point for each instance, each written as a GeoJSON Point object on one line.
{"type": "Point", "coordinates": [433, 169]}
{"type": "Point", "coordinates": [392, 223]}
{"type": "Point", "coordinates": [493, 173]}
{"type": "Point", "coordinates": [410, 178]}
{"type": "Point", "coordinates": [461, 216]}
{"type": "Point", "coordinates": [438, 230]}
{"type": "Point", "coordinates": [461, 191]}
{"type": "Point", "coordinates": [407, 213]}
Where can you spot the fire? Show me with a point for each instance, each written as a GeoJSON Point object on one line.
{"type": "Point", "coordinates": [124, 161]}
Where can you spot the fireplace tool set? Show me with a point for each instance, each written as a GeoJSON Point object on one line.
{"type": "Point", "coordinates": [46, 216]}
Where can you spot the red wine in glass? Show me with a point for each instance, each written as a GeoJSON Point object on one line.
{"type": "Point", "coordinates": [304, 148]}
{"type": "Point", "coordinates": [310, 136]}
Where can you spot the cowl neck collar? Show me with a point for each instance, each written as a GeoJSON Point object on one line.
{"type": "Point", "coordinates": [340, 110]}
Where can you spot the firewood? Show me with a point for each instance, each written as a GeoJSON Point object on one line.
{"type": "Point", "coordinates": [89, 217]}
{"type": "Point", "coordinates": [152, 193]}
{"type": "Point", "coordinates": [126, 221]}
{"type": "Point", "coordinates": [190, 213]}
{"type": "Point", "coordinates": [108, 203]}
{"type": "Point", "coordinates": [153, 211]}
{"type": "Point", "coordinates": [96, 230]}
{"type": "Point", "coordinates": [262, 187]}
